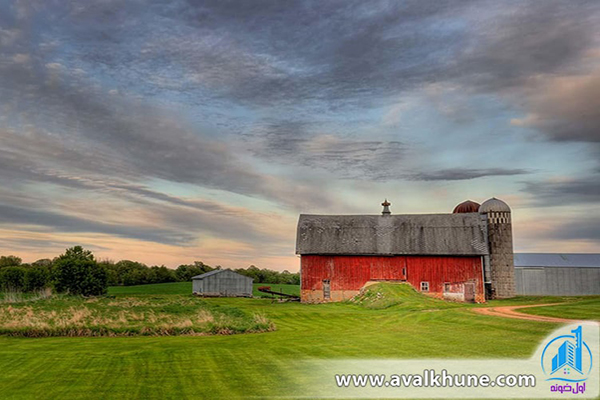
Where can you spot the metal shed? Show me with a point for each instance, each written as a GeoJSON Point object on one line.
{"type": "Point", "coordinates": [222, 283]}
{"type": "Point", "coordinates": [557, 274]}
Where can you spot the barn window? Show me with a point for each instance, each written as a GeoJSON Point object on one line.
{"type": "Point", "coordinates": [404, 272]}
{"type": "Point", "coordinates": [446, 287]}
{"type": "Point", "coordinates": [424, 286]}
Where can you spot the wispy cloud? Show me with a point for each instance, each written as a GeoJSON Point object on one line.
{"type": "Point", "coordinates": [565, 191]}
{"type": "Point", "coordinates": [564, 108]}
{"type": "Point", "coordinates": [459, 174]}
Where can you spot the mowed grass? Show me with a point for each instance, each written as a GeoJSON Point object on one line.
{"type": "Point", "coordinates": [261, 364]}
{"type": "Point", "coordinates": [586, 308]}
{"type": "Point", "coordinates": [158, 288]}
{"type": "Point", "coordinates": [186, 288]}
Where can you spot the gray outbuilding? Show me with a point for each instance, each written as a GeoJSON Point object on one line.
{"type": "Point", "coordinates": [222, 283]}
{"type": "Point", "coordinates": [553, 274]}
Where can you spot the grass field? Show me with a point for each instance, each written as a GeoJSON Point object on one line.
{"type": "Point", "coordinates": [260, 364]}
{"type": "Point", "coordinates": [186, 288]}
{"type": "Point", "coordinates": [586, 308]}
{"type": "Point", "coordinates": [162, 315]}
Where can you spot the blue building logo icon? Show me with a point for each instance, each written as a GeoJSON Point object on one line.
{"type": "Point", "coordinates": [567, 358]}
{"type": "Point", "coordinates": [569, 354]}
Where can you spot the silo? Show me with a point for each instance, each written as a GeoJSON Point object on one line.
{"type": "Point", "coordinates": [500, 245]}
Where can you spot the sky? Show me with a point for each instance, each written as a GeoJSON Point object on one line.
{"type": "Point", "coordinates": [168, 132]}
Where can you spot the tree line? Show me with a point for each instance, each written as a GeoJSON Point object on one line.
{"type": "Point", "coordinates": [78, 272]}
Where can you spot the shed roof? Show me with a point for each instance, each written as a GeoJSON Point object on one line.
{"type": "Point", "coordinates": [216, 271]}
{"type": "Point", "coordinates": [590, 260]}
{"type": "Point", "coordinates": [411, 234]}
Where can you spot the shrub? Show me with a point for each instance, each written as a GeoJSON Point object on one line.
{"type": "Point", "coordinates": [12, 278]}
{"type": "Point", "coordinates": [76, 272]}
{"type": "Point", "coordinates": [36, 278]}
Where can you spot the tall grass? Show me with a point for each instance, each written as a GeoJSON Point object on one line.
{"type": "Point", "coordinates": [11, 295]}
{"type": "Point", "coordinates": [124, 316]}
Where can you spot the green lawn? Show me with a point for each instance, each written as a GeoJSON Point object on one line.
{"type": "Point", "coordinates": [186, 288]}
{"type": "Point", "coordinates": [584, 308]}
{"type": "Point", "coordinates": [158, 288]}
{"type": "Point", "coordinates": [257, 364]}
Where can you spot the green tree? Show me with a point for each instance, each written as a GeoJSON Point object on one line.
{"type": "Point", "coordinates": [252, 272]}
{"type": "Point", "coordinates": [164, 274]}
{"type": "Point", "coordinates": [77, 272]}
{"type": "Point", "coordinates": [131, 273]}
{"type": "Point", "coordinates": [269, 276]}
{"type": "Point", "coordinates": [43, 262]}
{"type": "Point", "coordinates": [111, 272]}
{"type": "Point", "coordinates": [135, 277]}
{"type": "Point", "coordinates": [185, 272]}
{"type": "Point", "coordinates": [10, 261]}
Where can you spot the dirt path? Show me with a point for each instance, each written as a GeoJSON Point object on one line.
{"type": "Point", "coordinates": [509, 312]}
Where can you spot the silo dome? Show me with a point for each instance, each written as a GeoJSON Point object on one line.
{"type": "Point", "coordinates": [466, 207]}
{"type": "Point", "coordinates": [493, 205]}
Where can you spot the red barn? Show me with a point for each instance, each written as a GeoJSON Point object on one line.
{"type": "Point", "coordinates": [443, 255]}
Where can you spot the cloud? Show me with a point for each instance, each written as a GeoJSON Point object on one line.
{"type": "Point", "coordinates": [91, 132]}
{"type": "Point", "coordinates": [66, 223]}
{"type": "Point", "coordinates": [459, 174]}
{"type": "Point", "coordinates": [112, 136]}
{"type": "Point", "coordinates": [573, 233]}
{"type": "Point", "coordinates": [513, 42]}
{"type": "Point", "coordinates": [586, 228]}
{"type": "Point", "coordinates": [136, 212]}
{"type": "Point", "coordinates": [539, 58]}
{"type": "Point", "coordinates": [118, 106]}
{"type": "Point", "coordinates": [565, 108]}
{"type": "Point", "coordinates": [293, 142]}
{"type": "Point", "coordinates": [222, 52]}
{"type": "Point", "coordinates": [325, 56]}
{"type": "Point", "coordinates": [33, 161]}
{"type": "Point", "coordinates": [339, 52]}
{"type": "Point", "coordinates": [579, 190]}
{"type": "Point", "coordinates": [590, 230]}
{"type": "Point", "coordinates": [358, 50]}
{"type": "Point", "coordinates": [28, 244]}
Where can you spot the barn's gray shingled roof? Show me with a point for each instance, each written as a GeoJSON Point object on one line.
{"type": "Point", "coordinates": [412, 234]}
{"type": "Point", "coordinates": [589, 260]}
